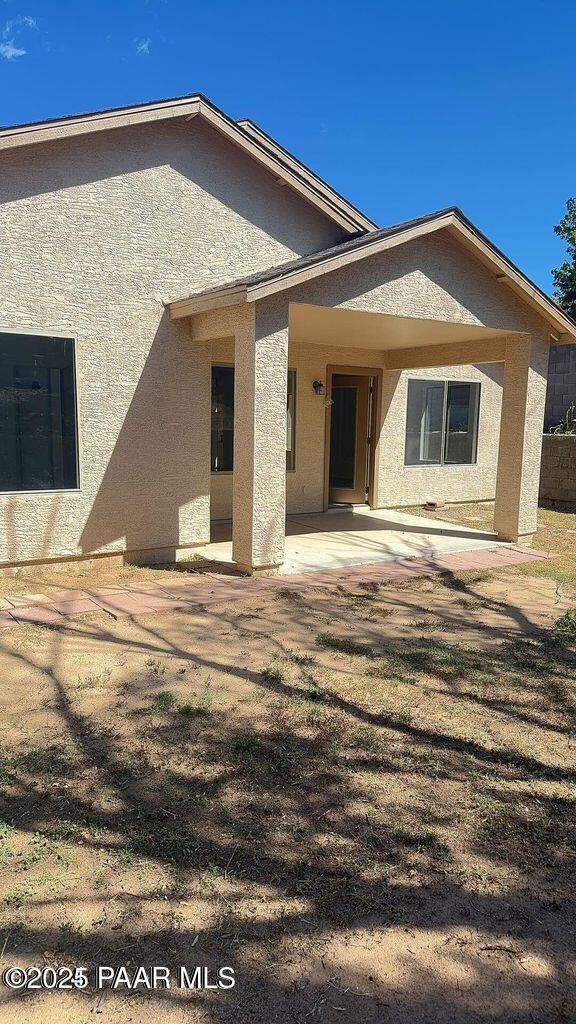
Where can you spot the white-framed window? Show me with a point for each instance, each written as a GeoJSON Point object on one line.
{"type": "Point", "coordinates": [222, 420]}
{"type": "Point", "coordinates": [38, 417]}
{"type": "Point", "coordinates": [442, 422]}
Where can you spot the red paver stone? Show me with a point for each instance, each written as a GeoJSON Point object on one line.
{"type": "Point", "coordinates": [122, 604]}
{"type": "Point", "coordinates": [68, 595]}
{"type": "Point", "coordinates": [148, 586]}
{"type": "Point", "coordinates": [211, 587]}
{"type": "Point", "coordinates": [157, 603]}
{"type": "Point", "coordinates": [105, 591]}
{"type": "Point", "coordinates": [42, 614]}
{"type": "Point", "coordinates": [221, 597]}
{"type": "Point", "coordinates": [29, 599]}
{"type": "Point", "coordinates": [184, 593]}
{"type": "Point", "coordinates": [76, 606]}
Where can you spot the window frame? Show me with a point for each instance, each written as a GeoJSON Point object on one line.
{"type": "Point", "coordinates": [292, 468]}
{"type": "Point", "coordinates": [219, 472]}
{"type": "Point", "coordinates": [232, 366]}
{"type": "Point", "coordinates": [60, 335]}
{"type": "Point", "coordinates": [442, 464]}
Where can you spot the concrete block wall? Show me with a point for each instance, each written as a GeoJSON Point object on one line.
{"type": "Point", "coordinates": [561, 383]}
{"type": "Point", "coordinates": [558, 468]}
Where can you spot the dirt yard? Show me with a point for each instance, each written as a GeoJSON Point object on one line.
{"type": "Point", "coordinates": [362, 802]}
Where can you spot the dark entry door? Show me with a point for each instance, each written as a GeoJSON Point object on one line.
{"type": "Point", "coordinates": [349, 430]}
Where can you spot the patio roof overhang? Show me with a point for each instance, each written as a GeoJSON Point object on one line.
{"type": "Point", "coordinates": [397, 336]}
{"type": "Point", "coordinates": [289, 275]}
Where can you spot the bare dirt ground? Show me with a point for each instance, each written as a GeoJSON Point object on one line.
{"type": "Point", "coordinates": [362, 802]}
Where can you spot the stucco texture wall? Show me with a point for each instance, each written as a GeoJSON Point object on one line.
{"type": "Point", "coordinates": [98, 232]}
{"type": "Point", "coordinates": [398, 484]}
{"type": "Point", "coordinates": [432, 278]}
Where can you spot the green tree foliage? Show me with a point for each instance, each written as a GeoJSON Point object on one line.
{"type": "Point", "coordinates": [565, 276]}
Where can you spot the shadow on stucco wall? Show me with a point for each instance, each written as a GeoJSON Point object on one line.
{"type": "Point", "coordinates": [204, 163]}
{"type": "Point", "coordinates": [462, 290]}
{"type": "Point", "coordinates": [155, 489]}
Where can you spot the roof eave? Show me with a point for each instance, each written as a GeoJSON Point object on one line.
{"type": "Point", "coordinates": [282, 165]}
{"type": "Point", "coordinates": [513, 277]}
{"type": "Point", "coordinates": [104, 120]}
{"type": "Point", "coordinates": [181, 308]}
{"type": "Point", "coordinates": [504, 271]}
{"type": "Point", "coordinates": [254, 131]}
{"type": "Point", "coordinates": [207, 301]}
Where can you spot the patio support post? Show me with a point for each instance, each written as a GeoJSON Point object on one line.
{"type": "Point", "coordinates": [259, 488]}
{"type": "Point", "coordinates": [521, 427]}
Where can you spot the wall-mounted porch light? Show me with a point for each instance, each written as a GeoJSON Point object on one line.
{"type": "Point", "coordinates": [318, 387]}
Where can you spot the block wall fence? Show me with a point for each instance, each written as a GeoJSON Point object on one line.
{"type": "Point", "coordinates": [558, 469]}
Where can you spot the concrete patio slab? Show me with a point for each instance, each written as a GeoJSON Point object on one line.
{"type": "Point", "coordinates": [346, 537]}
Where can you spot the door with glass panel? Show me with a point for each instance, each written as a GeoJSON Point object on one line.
{"type": "Point", "coordinates": [349, 438]}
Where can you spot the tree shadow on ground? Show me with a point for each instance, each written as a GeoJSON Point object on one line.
{"type": "Point", "coordinates": [299, 809]}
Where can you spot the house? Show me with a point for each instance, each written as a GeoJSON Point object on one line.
{"type": "Point", "coordinates": [195, 326]}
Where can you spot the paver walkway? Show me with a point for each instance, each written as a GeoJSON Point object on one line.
{"type": "Point", "coordinates": [199, 589]}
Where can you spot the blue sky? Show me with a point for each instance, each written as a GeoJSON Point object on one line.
{"type": "Point", "coordinates": [403, 107]}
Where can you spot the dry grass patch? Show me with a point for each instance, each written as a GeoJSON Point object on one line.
{"type": "Point", "coordinates": [359, 814]}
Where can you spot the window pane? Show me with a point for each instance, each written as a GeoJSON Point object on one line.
{"type": "Point", "coordinates": [462, 407]}
{"type": "Point", "coordinates": [222, 424]}
{"type": "Point", "coordinates": [424, 423]}
{"type": "Point", "coordinates": [291, 421]}
{"type": "Point", "coordinates": [37, 413]}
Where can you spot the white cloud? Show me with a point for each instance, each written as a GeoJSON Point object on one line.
{"type": "Point", "coordinates": [9, 51]}
{"type": "Point", "coordinates": [12, 29]}
{"type": "Point", "coordinates": [17, 24]}
{"type": "Point", "coordinates": [142, 46]}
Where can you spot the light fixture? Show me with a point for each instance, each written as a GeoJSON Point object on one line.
{"type": "Point", "coordinates": [318, 387]}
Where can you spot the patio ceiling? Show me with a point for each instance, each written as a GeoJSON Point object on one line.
{"type": "Point", "coordinates": [324, 325]}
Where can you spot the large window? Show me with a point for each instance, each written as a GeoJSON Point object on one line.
{"type": "Point", "coordinates": [38, 449]}
{"type": "Point", "coordinates": [222, 426]}
{"type": "Point", "coordinates": [441, 423]}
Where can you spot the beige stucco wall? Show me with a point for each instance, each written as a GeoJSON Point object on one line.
{"type": "Point", "coordinates": [398, 484]}
{"type": "Point", "coordinates": [433, 278]}
{"type": "Point", "coordinates": [97, 232]}
{"type": "Point", "coordinates": [100, 231]}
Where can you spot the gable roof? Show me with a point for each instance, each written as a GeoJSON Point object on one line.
{"type": "Point", "coordinates": [244, 134]}
{"type": "Point", "coordinates": [295, 272]}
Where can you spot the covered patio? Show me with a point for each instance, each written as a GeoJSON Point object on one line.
{"type": "Point", "coordinates": [342, 538]}
{"type": "Point", "coordinates": [425, 296]}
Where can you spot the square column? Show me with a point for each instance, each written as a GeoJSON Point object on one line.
{"type": "Point", "coordinates": [521, 428]}
{"type": "Point", "coordinates": [259, 486]}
